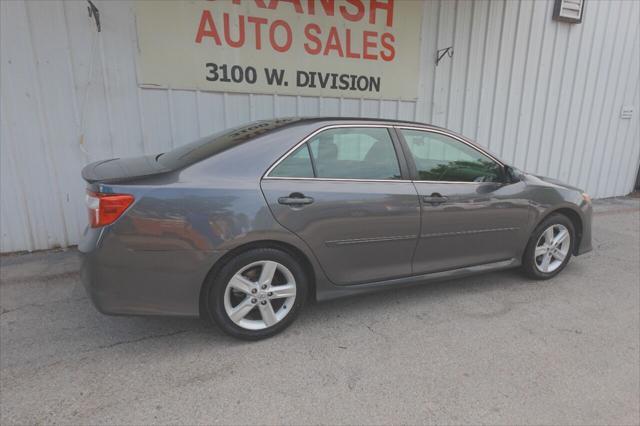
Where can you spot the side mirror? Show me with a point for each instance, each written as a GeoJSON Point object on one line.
{"type": "Point", "coordinates": [512, 174]}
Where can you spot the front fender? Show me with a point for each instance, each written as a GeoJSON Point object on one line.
{"type": "Point", "coordinates": [571, 205]}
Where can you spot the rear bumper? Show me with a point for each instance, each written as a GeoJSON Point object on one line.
{"type": "Point", "coordinates": [120, 281]}
{"type": "Point", "coordinates": [102, 300]}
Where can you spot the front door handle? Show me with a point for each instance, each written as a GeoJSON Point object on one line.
{"type": "Point", "coordinates": [434, 199]}
{"type": "Point", "coordinates": [295, 199]}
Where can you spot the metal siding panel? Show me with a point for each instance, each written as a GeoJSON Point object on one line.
{"type": "Point", "coordinates": [428, 36]}
{"type": "Point", "coordinates": [330, 107]}
{"type": "Point", "coordinates": [503, 76]}
{"type": "Point", "coordinates": [552, 98]}
{"type": "Point", "coordinates": [489, 71]}
{"type": "Point", "coordinates": [406, 110]}
{"type": "Point", "coordinates": [286, 106]}
{"type": "Point", "coordinates": [211, 112]}
{"type": "Point", "coordinates": [308, 106]}
{"type": "Point", "coordinates": [15, 229]}
{"type": "Point", "coordinates": [156, 121]}
{"type": "Point", "coordinates": [25, 129]}
{"type": "Point", "coordinates": [117, 49]}
{"type": "Point", "coordinates": [476, 55]}
{"type": "Point", "coordinates": [237, 109]}
{"type": "Point", "coordinates": [627, 175]}
{"type": "Point", "coordinates": [530, 89]}
{"type": "Point", "coordinates": [516, 81]}
{"type": "Point", "coordinates": [459, 65]}
{"type": "Point", "coordinates": [94, 132]}
{"type": "Point", "coordinates": [442, 76]}
{"type": "Point", "coordinates": [631, 170]}
{"type": "Point", "coordinates": [369, 108]}
{"type": "Point", "coordinates": [612, 115]}
{"type": "Point", "coordinates": [57, 99]}
{"type": "Point", "coordinates": [593, 152]}
{"type": "Point", "coordinates": [595, 58]}
{"type": "Point", "coordinates": [184, 109]}
{"type": "Point", "coordinates": [564, 99]}
{"type": "Point", "coordinates": [629, 164]}
{"type": "Point", "coordinates": [544, 83]}
{"type": "Point", "coordinates": [263, 106]}
{"type": "Point", "coordinates": [634, 157]}
{"type": "Point", "coordinates": [536, 90]}
{"type": "Point", "coordinates": [581, 73]}
{"type": "Point", "coordinates": [349, 107]}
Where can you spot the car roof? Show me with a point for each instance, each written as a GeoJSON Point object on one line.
{"type": "Point", "coordinates": [371, 120]}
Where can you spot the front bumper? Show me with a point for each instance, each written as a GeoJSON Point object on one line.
{"type": "Point", "coordinates": [585, 244]}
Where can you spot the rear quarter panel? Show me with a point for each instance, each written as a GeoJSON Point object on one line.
{"type": "Point", "coordinates": [155, 258]}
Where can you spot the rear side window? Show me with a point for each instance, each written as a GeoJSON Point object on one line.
{"type": "Point", "coordinates": [355, 153]}
{"type": "Point", "coordinates": [298, 164]}
{"type": "Point", "coordinates": [206, 147]}
{"type": "Point", "coordinates": [442, 158]}
{"type": "Point", "coordinates": [343, 153]}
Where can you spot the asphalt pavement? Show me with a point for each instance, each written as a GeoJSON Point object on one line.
{"type": "Point", "coordinates": [491, 349]}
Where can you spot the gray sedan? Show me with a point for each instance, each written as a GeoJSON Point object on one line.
{"type": "Point", "coordinates": [243, 227]}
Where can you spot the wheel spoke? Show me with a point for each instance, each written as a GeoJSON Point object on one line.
{"type": "Point", "coordinates": [541, 250]}
{"type": "Point", "coordinates": [548, 235]}
{"type": "Point", "coordinates": [268, 315]}
{"type": "Point", "coordinates": [558, 255]}
{"type": "Point", "coordinates": [241, 310]}
{"type": "Point", "coordinates": [241, 283]}
{"type": "Point", "coordinates": [282, 291]}
{"type": "Point", "coordinates": [267, 273]}
{"type": "Point", "coordinates": [561, 237]}
{"type": "Point", "coordinates": [546, 260]}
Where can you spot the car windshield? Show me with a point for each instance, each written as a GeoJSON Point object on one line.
{"type": "Point", "coordinates": [218, 142]}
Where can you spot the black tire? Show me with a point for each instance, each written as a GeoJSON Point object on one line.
{"type": "Point", "coordinates": [218, 284]}
{"type": "Point", "coordinates": [528, 259]}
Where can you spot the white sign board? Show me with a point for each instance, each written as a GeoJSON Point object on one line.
{"type": "Point", "coordinates": [350, 48]}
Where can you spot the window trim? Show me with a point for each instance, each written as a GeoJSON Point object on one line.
{"type": "Point", "coordinates": [390, 128]}
{"type": "Point", "coordinates": [410, 159]}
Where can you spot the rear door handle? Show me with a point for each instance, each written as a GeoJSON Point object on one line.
{"type": "Point", "coordinates": [434, 198]}
{"type": "Point", "coordinates": [295, 199]}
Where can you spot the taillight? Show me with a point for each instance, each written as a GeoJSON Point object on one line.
{"type": "Point", "coordinates": [106, 208]}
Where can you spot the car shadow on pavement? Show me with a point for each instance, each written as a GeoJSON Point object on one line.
{"type": "Point", "coordinates": [68, 329]}
{"type": "Point", "coordinates": [73, 322]}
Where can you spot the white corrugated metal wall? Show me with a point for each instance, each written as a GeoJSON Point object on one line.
{"type": "Point", "coordinates": [544, 95]}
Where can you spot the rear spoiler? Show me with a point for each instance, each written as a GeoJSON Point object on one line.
{"type": "Point", "coordinates": [118, 170]}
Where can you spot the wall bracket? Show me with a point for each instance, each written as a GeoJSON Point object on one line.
{"type": "Point", "coordinates": [442, 52]}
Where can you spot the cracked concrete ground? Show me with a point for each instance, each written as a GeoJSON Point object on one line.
{"type": "Point", "coordinates": [492, 349]}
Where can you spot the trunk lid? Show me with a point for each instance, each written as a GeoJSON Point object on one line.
{"type": "Point", "coordinates": [118, 170]}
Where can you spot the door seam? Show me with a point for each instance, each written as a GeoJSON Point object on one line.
{"type": "Point", "coordinates": [419, 237]}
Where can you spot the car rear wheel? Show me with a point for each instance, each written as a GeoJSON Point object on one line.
{"type": "Point", "coordinates": [257, 293]}
{"type": "Point", "coordinates": [549, 248]}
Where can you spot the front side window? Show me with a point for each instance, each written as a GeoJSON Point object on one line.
{"type": "Point", "coordinates": [355, 153]}
{"type": "Point", "coordinates": [442, 158]}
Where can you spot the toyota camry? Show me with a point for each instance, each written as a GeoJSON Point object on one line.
{"type": "Point", "coordinates": [245, 226]}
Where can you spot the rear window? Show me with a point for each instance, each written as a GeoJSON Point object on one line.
{"type": "Point", "coordinates": [218, 142]}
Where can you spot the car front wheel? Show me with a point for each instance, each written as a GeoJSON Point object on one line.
{"type": "Point", "coordinates": [549, 248]}
{"type": "Point", "coordinates": [257, 293]}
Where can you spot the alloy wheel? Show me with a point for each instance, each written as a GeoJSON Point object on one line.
{"type": "Point", "coordinates": [260, 295]}
{"type": "Point", "coordinates": [552, 248]}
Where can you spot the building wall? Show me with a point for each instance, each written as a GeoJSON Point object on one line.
{"type": "Point", "coordinates": [543, 95]}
